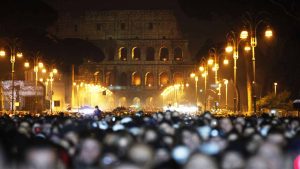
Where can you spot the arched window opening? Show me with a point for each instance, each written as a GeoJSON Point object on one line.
{"type": "Point", "coordinates": [123, 54]}
{"type": "Point", "coordinates": [136, 79]}
{"type": "Point", "coordinates": [111, 54]}
{"type": "Point", "coordinates": [149, 79]}
{"type": "Point", "coordinates": [178, 78]}
{"type": "Point", "coordinates": [164, 54]}
{"type": "Point", "coordinates": [136, 53]}
{"type": "Point", "coordinates": [150, 54]}
{"type": "Point", "coordinates": [109, 79]}
{"type": "Point", "coordinates": [123, 79]}
{"type": "Point", "coordinates": [163, 79]}
{"type": "Point", "coordinates": [178, 54]}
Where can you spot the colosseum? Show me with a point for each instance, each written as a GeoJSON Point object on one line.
{"type": "Point", "coordinates": [144, 51]}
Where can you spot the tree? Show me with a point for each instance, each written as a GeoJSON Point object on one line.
{"type": "Point", "coordinates": [279, 101]}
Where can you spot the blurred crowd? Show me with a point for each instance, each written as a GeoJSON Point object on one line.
{"type": "Point", "coordinates": [163, 140]}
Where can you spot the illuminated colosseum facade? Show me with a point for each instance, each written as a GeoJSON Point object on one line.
{"type": "Point", "coordinates": [144, 50]}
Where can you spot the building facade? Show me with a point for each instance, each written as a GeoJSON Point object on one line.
{"type": "Point", "coordinates": [144, 51]}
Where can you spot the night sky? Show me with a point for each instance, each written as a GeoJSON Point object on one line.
{"type": "Point", "coordinates": [204, 23]}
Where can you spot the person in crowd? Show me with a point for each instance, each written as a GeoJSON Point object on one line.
{"type": "Point", "coordinates": [161, 140]}
{"type": "Point", "coordinates": [97, 112]}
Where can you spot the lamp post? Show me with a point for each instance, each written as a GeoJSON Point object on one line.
{"type": "Point", "coordinates": [252, 24]}
{"type": "Point", "coordinates": [275, 88]}
{"type": "Point", "coordinates": [204, 73]}
{"type": "Point", "coordinates": [195, 77]}
{"type": "Point", "coordinates": [13, 55]}
{"type": "Point", "coordinates": [37, 64]}
{"type": "Point", "coordinates": [233, 46]}
{"type": "Point", "coordinates": [226, 93]}
{"type": "Point", "coordinates": [219, 92]}
{"type": "Point", "coordinates": [51, 75]}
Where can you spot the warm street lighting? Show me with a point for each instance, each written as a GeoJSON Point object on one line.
{"type": "Point", "coordinates": [275, 88]}
{"type": "Point", "coordinates": [225, 61]}
{"type": "Point", "coordinates": [192, 75]}
{"type": "Point", "coordinates": [210, 61]}
{"type": "Point", "coordinates": [229, 48]}
{"type": "Point", "coordinates": [19, 55]}
{"type": "Point", "coordinates": [26, 64]}
{"type": "Point", "coordinates": [201, 68]}
{"type": "Point", "coordinates": [55, 71]}
{"type": "Point", "coordinates": [214, 55]}
{"type": "Point", "coordinates": [233, 46]}
{"type": "Point", "coordinates": [40, 65]}
{"type": "Point", "coordinates": [269, 32]}
{"type": "Point", "coordinates": [13, 54]}
{"type": "Point", "coordinates": [226, 93]}
{"type": "Point", "coordinates": [244, 34]}
{"type": "Point", "coordinates": [2, 53]}
{"type": "Point", "coordinates": [247, 47]}
{"type": "Point", "coordinates": [252, 24]}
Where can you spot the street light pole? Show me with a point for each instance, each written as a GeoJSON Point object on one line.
{"type": "Point", "coordinates": [51, 91]}
{"type": "Point", "coordinates": [253, 24]}
{"type": "Point", "coordinates": [204, 69]}
{"type": "Point", "coordinates": [13, 60]}
{"type": "Point", "coordinates": [196, 83]}
{"type": "Point", "coordinates": [13, 55]}
{"type": "Point", "coordinates": [235, 49]}
{"type": "Point", "coordinates": [226, 93]}
{"type": "Point", "coordinates": [275, 88]}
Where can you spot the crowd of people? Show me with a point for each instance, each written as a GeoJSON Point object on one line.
{"type": "Point", "coordinates": [163, 140]}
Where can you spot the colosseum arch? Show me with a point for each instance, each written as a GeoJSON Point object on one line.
{"type": "Point", "coordinates": [164, 54]}
{"type": "Point", "coordinates": [136, 79]}
{"type": "Point", "coordinates": [111, 54]}
{"type": "Point", "coordinates": [178, 54]}
{"type": "Point", "coordinates": [136, 101]}
{"type": "Point", "coordinates": [109, 79]}
{"type": "Point", "coordinates": [123, 53]}
{"type": "Point", "coordinates": [123, 79]}
{"type": "Point", "coordinates": [163, 79]}
{"type": "Point", "coordinates": [149, 102]}
{"type": "Point", "coordinates": [122, 102]}
{"type": "Point", "coordinates": [150, 54]}
{"type": "Point", "coordinates": [149, 79]}
{"type": "Point", "coordinates": [178, 78]}
{"type": "Point", "coordinates": [136, 53]}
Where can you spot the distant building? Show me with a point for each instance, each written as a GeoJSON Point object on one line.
{"type": "Point", "coordinates": [144, 52]}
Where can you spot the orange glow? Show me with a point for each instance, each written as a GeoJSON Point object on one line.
{"type": "Point", "coordinates": [201, 68]}
{"type": "Point", "coordinates": [192, 75]}
{"type": "Point", "coordinates": [19, 54]}
{"type": "Point", "coordinates": [226, 62]}
{"type": "Point", "coordinates": [2, 53]}
{"type": "Point", "coordinates": [210, 61]}
{"type": "Point", "coordinates": [26, 64]}
{"type": "Point", "coordinates": [244, 34]}
{"type": "Point", "coordinates": [269, 33]}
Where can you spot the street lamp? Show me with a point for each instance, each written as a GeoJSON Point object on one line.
{"type": "Point", "coordinates": [275, 88]}
{"type": "Point", "coordinates": [233, 47]}
{"type": "Point", "coordinates": [204, 73]}
{"type": "Point", "coordinates": [215, 60]}
{"type": "Point", "coordinates": [195, 77]}
{"type": "Point", "coordinates": [226, 93]}
{"type": "Point", "coordinates": [252, 23]}
{"type": "Point", "coordinates": [37, 64]}
{"type": "Point", "coordinates": [51, 75]}
{"type": "Point", "coordinates": [13, 54]}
